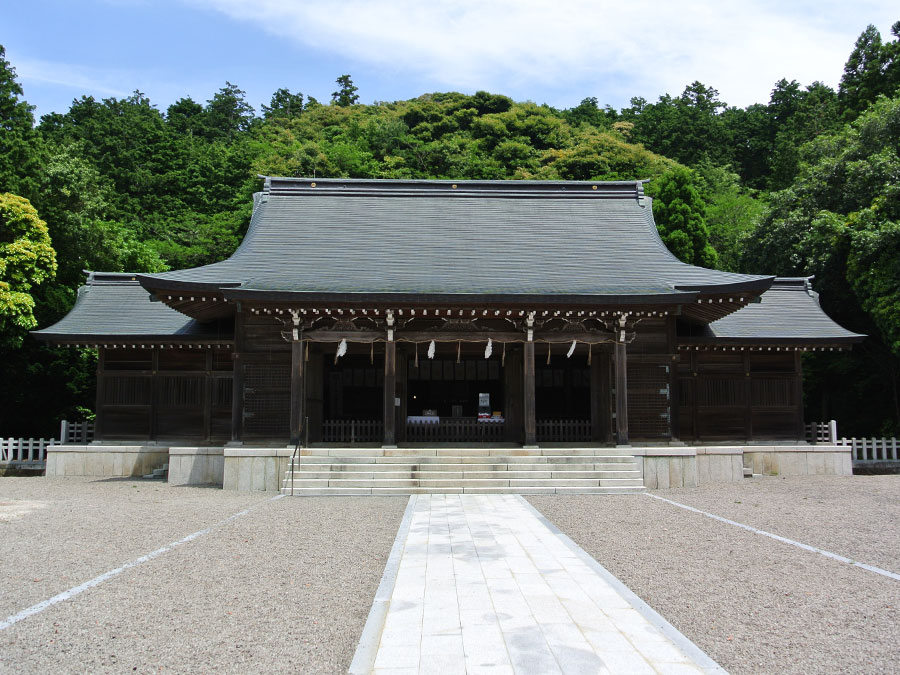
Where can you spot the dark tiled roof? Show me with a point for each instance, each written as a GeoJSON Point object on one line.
{"type": "Point", "coordinates": [503, 238]}
{"type": "Point", "coordinates": [788, 312]}
{"type": "Point", "coordinates": [115, 306]}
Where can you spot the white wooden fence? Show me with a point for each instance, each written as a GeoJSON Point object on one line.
{"type": "Point", "coordinates": [863, 450]}
{"type": "Point", "coordinates": [33, 451]}
{"type": "Point", "coordinates": [872, 450]}
{"type": "Point", "coordinates": [27, 451]}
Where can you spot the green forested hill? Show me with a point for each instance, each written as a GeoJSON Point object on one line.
{"type": "Point", "coordinates": [807, 183]}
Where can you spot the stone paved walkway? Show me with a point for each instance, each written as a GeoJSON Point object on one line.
{"type": "Point", "coordinates": [486, 585]}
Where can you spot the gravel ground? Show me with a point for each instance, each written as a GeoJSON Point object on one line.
{"type": "Point", "coordinates": [754, 604]}
{"type": "Point", "coordinates": [285, 588]}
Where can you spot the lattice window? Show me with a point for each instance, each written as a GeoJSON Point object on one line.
{"type": "Point", "coordinates": [774, 393]}
{"type": "Point", "coordinates": [267, 399]}
{"type": "Point", "coordinates": [180, 391]}
{"type": "Point", "coordinates": [126, 390]}
{"type": "Point", "coordinates": [648, 400]}
{"type": "Point", "coordinates": [721, 393]}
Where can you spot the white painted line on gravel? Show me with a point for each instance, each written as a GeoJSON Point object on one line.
{"type": "Point", "coordinates": [785, 540]}
{"type": "Point", "coordinates": [72, 592]}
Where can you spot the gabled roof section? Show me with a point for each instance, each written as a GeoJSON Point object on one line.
{"type": "Point", "coordinates": [443, 239]}
{"type": "Point", "coordinates": [113, 306]}
{"type": "Point", "coordinates": [789, 312]}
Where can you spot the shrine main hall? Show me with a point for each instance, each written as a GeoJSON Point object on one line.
{"type": "Point", "coordinates": [410, 320]}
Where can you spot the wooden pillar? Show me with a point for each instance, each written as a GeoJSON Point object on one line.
{"type": "Point", "coordinates": [208, 388]}
{"type": "Point", "coordinates": [748, 394]}
{"type": "Point", "coordinates": [621, 394]}
{"type": "Point", "coordinates": [101, 382]}
{"type": "Point", "coordinates": [528, 408]}
{"type": "Point", "coordinates": [801, 422]}
{"type": "Point", "coordinates": [237, 392]}
{"type": "Point", "coordinates": [402, 389]}
{"type": "Point", "coordinates": [154, 393]}
{"type": "Point", "coordinates": [298, 391]}
{"type": "Point", "coordinates": [674, 391]}
{"type": "Point", "coordinates": [390, 392]}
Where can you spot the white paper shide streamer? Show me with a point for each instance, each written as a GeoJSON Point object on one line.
{"type": "Point", "coordinates": [489, 349]}
{"type": "Point", "coordinates": [571, 349]}
{"type": "Point", "coordinates": [341, 350]}
{"type": "Point", "coordinates": [431, 350]}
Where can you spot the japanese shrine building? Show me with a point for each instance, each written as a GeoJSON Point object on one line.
{"type": "Point", "coordinates": [410, 312]}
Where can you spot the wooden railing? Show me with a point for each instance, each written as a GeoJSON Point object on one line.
{"type": "Point", "coordinates": [455, 430]}
{"type": "Point", "coordinates": [862, 450]}
{"type": "Point", "coordinates": [76, 432]}
{"type": "Point", "coordinates": [821, 432]}
{"type": "Point", "coordinates": [18, 451]}
{"type": "Point", "coordinates": [352, 431]}
{"type": "Point", "coordinates": [563, 431]}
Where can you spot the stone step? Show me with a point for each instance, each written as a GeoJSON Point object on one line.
{"type": "Point", "coordinates": [386, 491]}
{"type": "Point", "coordinates": [451, 459]}
{"type": "Point", "coordinates": [467, 466]}
{"type": "Point", "coordinates": [463, 452]}
{"type": "Point", "coordinates": [456, 475]}
{"type": "Point", "coordinates": [463, 482]}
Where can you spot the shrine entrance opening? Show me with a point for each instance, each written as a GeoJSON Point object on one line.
{"type": "Point", "coordinates": [562, 391]}
{"type": "Point", "coordinates": [450, 400]}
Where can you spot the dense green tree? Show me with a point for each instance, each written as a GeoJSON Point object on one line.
{"type": "Point", "coordinates": [839, 222]}
{"type": "Point", "coordinates": [688, 128]}
{"type": "Point", "coordinates": [346, 93]}
{"type": "Point", "coordinates": [284, 105]}
{"type": "Point", "coordinates": [228, 113]}
{"type": "Point", "coordinates": [18, 155]}
{"type": "Point", "coordinates": [680, 215]}
{"type": "Point", "coordinates": [27, 260]}
{"type": "Point", "coordinates": [862, 80]}
{"type": "Point", "coordinates": [732, 212]}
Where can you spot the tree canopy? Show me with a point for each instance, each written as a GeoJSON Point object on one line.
{"type": "Point", "coordinates": [26, 260]}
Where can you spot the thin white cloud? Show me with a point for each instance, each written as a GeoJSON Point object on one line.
{"type": "Point", "coordinates": [80, 78]}
{"type": "Point", "coordinates": [596, 47]}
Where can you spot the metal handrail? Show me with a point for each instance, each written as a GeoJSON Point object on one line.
{"type": "Point", "coordinates": [297, 450]}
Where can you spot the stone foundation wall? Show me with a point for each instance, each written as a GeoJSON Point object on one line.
{"type": "Point", "coordinates": [196, 466]}
{"type": "Point", "coordinates": [105, 461]}
{"type": "Point", "coordinates": [810, 460]}
{"type": "Point", "coordinates": [671, 467]}
{"type": "Point", "coordinates": [255, 469]}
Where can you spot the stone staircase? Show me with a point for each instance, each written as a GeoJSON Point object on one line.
{"type": "Point", "coordinates": [393, 471]}
{"type": "Point", "coordinates": [159, 473]}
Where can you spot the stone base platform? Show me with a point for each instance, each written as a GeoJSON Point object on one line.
{"type": "Point", "coordinates": [443, 470]}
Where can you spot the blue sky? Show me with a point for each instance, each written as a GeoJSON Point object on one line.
{"type": "Point", "coordinates": [555, 52]}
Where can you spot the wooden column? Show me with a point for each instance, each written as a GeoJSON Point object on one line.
{"type": "Point", "coordinates": [621, 394]}
{"type": "Point", "coordinates": [237, 391]}
{"type": "Point", "coordinates": [390, 392]}
{"type": "Point", "coordinates": [154, 393]}
{"type": "Point", "coordinates": [297, 391]}
{"type": "Point", "coordinates": [748, 394]}
{"type": "Point", "coordinates": [674, 391]}
{"type": "Point", "coordinates": [801, 422]}
{"type": "Point", "coordinates": [208, 386]}
{"type": "Point", "coordinates": [402, 389]}
{"type": "Point", "coordinates": [101, 381]}
{"type": "Point", "coordinates": [528, 407]}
